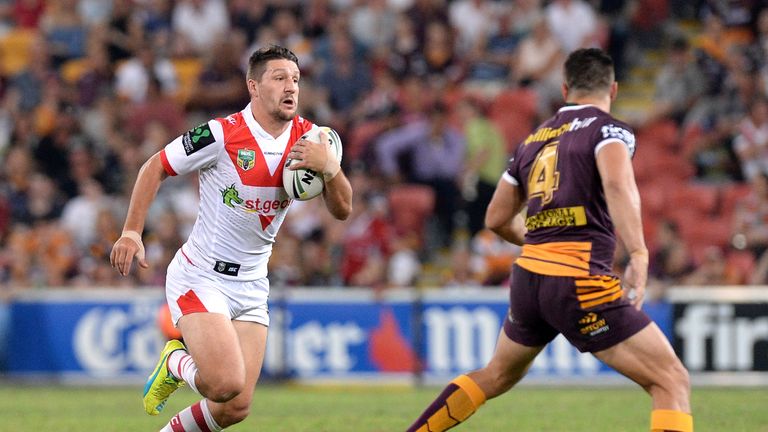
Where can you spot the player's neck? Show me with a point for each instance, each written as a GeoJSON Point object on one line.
{"type": "Point", "coordinates": [269, 123]}
{"type": "Point", "coordinates": [603, 103]}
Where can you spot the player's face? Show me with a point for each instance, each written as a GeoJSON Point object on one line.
{"type": "Point", "coordinates": [278, 91]}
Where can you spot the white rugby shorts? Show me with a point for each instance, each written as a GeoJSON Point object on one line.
{"type": "Point", "coordinates": [190, 289]}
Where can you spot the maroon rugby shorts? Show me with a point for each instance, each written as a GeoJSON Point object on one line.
{"type": "Point", "coordinates": [590, 312]}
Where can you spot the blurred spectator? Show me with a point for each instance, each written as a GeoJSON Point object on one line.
{"type": "Point", "coordinates": [492, 59]}
{"type": "Point", "coordinates": [94, 12]}
{"type": "Point", "coordinates": [96, 78]}
{"type": "Point", "coordinates": [30, 82]}
{"type": "Point", "coordinates": [154, 21]}
{"type": "Point", "coordinates": [250, 15]}
{"type": "Point", "coordinates": [679, 84]}
{"type": "Point", "coordinates": [189, 19]}
{"type": "Point", "coordinates": [287, 33]}
{"type": "Point", "coordinates": [27, 13]}
{"type": "Point", "coordinates": [538, 63]}
{"type": "Point", "coordinates": [573, 23]}
{"type": "Point", "coordinates": [436, 152]}
{"type": "Point", "coordinates": [345, 77]}
{"type": "Point", "coordinates": [713, 270]}
{"type": "Point", "coordinates": [486, 159]}
{"type": "Point", "coordinates": [373, 24]}
{"type": "Point", "coordinates": [122, 32]}
{"type": "Point", "coordinates": [525, 14]}
{"type": "Point", "coordinates": [404, 47]}
{"type": "Point", "coordinates": [64, 30]}
{"type": "Point", "coordinates": [438, 62]}
{"type": "Point", "coordinates": [404, 267]}
{"type": "Point", "coordinates": [367, 239]}
{"type": "Point", "coordinates": [80, 214]}
{"type": "Point", "coordinates": [670, 260]}
{"type": "Point", "coordinates": [316, 269]}
{"type": "Point", "coordinates": [751, 217]}
{"type": "Point", "coordinates": [316, 18]}
{"type": "Point", "coordinates": [158, 107]}
{"type": "Point", "coordinates": [422, 13]}
{"type": "Point", "coordinates": [492, 258]}
{"type": "Point", "coordinates": [751, 143]}
{"type": "Point", "coordinates": [52, 153]}
{"type": "Point", "coordinates": [133, 76]}
{"type": "Point", "coordinates": [473, 21]}
{"type": "Point", "coordinates": [42, 255]}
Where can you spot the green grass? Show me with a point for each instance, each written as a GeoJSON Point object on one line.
{"type": "Point", "coordinates": [362, 409]}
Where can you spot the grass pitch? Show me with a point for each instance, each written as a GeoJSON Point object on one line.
{"type": "Point", "coordinates": [368, 409]}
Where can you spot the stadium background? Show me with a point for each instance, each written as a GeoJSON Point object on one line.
{"type": "Point", "coordinates": [410, 289]}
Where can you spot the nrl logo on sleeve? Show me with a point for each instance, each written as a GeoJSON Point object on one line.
{"type": "Point", "coordinates": [246, 159]}
{"type": "Point", "coordinates": [197, 138]}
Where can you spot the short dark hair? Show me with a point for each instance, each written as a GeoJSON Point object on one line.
{"type": "Point", "coordinates": [257, 63]}
{"type": "Point", "coordinates": [589, 70]}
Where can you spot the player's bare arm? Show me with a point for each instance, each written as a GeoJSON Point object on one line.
{"type": "Point", "coordinates": [318, 157]}
{"type": "Point", "coordinates": [129, 245]}
{"type": "Point", "coordinates": [503, 215]}
{"type": "Point", "coordinates": [623, 201]}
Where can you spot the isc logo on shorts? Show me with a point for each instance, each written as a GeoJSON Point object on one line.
{"type": "Point", "coordinates": [594, 326]}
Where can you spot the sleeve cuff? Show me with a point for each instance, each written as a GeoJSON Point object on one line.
{"type": "Point", "coordinates": [166, 165]}
{"type": "Point", "coordinates": [509, 179]}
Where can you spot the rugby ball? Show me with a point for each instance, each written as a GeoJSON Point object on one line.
{"type": "Point", "coordinates": [305, 184]}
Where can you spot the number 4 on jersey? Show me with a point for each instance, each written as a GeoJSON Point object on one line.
{"type": "Point", "coordinates": [544, 178]}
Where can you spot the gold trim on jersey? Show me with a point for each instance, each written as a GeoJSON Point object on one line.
{"type": "Point", "coordinates": [557, 217]}
{"type": "Point", "coordinates": [557, 258]}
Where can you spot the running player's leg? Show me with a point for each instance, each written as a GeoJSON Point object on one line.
{"type": "Point", "coordinates": [524, 335]}
{"type": "Point", "coordinates": [207, 415]}
{"type": "Point", "coordinates": [253, 341]}
{"type": "Point", "coordinates": [648, 359]}
{"type": "Point", "coordinates": [464, 395]}
{"type": "Point", "coordinates": [213, 342]}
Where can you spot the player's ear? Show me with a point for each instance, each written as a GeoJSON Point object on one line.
{"type": "Point", "coordinates": [614, 90]}
{"type": "Point", "coordinates": [564, 90]}
{"type": "Point", "coordinates": [253, 89]}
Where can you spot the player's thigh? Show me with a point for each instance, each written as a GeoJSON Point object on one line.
{"type": "Point", "coordinates": [212, 340]}
{"type": "Point", "coordinates": [646, 358]}
{"type": "Point", "coordinates": [253, 343]}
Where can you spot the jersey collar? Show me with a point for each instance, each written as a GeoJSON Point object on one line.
{"type": "Point", "coordinates": [258, 132]}
{"type": "Point", "coordinates": [574, 107]}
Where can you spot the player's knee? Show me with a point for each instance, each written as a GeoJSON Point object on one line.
{"type": "Point", "coordinates": [682, 379]}
{"type": "Point", "coordinates": [673, 381]}
{"type": "Point", "coordinates": [234, 412]}
{"type": "Point", "coordinates": [225, 389]}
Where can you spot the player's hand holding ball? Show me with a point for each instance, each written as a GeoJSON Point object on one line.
{"type": "Point", "coordinates": [317, 151]}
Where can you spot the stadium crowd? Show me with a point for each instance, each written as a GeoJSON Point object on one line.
{"type": "Point", "coordinates": [430, 98]}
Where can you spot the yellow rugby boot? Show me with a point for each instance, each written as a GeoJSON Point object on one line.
{"type": "Point", "coordinates": [161, 383]}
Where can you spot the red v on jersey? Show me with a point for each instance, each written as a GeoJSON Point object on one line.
{"type": "Point", "coordinates": [237, 136]}
{"type": "Point", "coordinates": [265, 220]}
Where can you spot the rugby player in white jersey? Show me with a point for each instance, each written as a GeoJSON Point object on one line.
{"type": "Point", "coordinates": [217, 286]}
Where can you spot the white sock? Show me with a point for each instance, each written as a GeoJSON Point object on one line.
{"type": "Point", "coordinates": [183, 367]}
{"type": "Point", "coordinates": [195, 418]}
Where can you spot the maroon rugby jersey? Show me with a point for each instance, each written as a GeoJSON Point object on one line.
{"type": "Point", "coordinates": [570, 232]}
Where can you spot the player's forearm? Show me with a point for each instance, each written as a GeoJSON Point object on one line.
{"type": "Point", "coordinates": [514, 231]}
{"type": "Point", "coordinates": [337, 194]}
{"type": "Point", "coordinates": [148, 182]}
{"type": "Point", "coordinates": [623, 201]}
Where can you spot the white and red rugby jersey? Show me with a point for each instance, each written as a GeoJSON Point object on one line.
{"type": "Point", "coordinates": [242, 200]}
